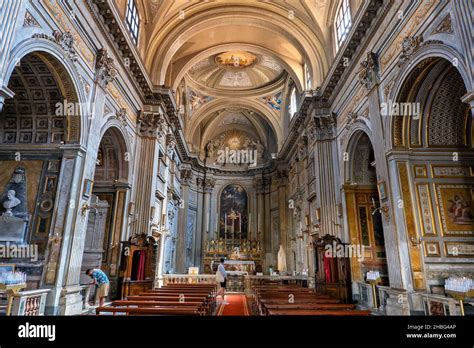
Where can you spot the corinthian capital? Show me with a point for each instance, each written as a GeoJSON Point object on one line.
{"type": "Point", "coordinates": [151, 124]}
{"type": "Point", "coordinates": [186, 176]}
{"type": "Point", "coordinates": [105, 70]}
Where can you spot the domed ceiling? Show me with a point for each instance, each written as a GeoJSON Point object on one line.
{"type": "Point", "coordinates": [236, 70]}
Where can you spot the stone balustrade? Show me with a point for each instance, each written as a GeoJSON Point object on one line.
{"type": "Point", "coordinates": [29, 303]}
{"type": "Point", "coordinates": [236, 282]}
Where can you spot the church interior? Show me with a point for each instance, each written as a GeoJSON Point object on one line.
{"type": "Point", "coordinates": [322, 149]}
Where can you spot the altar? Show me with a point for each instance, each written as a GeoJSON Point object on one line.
{"type": "Point", "coordinates": [236, 271]}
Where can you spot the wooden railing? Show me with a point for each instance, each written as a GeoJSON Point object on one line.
{"type": "Point", "coordinates": [30, 303]}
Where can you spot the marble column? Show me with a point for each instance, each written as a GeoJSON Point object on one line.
{"type": "Point", "coordinates": [396, 244]}
{"type": "Point", "coordinates": [72, 250]}
{"type": "Point", "coordinates": [260, 235]}
{"type": "Point", "coordinates": [151, 127]}
{"type": "Point", "coordinates": [327, 173]}
{"type": "Point", "coordinates": [186, 177]}
{"type": "Point", "coordinates": [58, 270]}
{"type": "Point", "coordinates": [199, 221]}
{"type": "Point", "coordinates": [462, 23]}
{"type": "Point", "coordinates": [281, 180]}
{"type": "Point", "coordinates": [208, 186]}
{"type": "Point", "coordinates": [10, 18]}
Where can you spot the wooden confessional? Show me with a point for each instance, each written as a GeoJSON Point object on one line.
{"type": "Point", "coordinates": [332, 274]}
{"type": "Point", "coordinates": [138, 264]}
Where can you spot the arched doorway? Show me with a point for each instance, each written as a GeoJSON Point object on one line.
{"type": "Point", "coordinates": [363, 213]}
{"type": "Point", "coordinates": [36, 125]}
{"type": "Point", "coordinates": [437, 189]}
{"type": "Point", "coordinates": [107, 216]}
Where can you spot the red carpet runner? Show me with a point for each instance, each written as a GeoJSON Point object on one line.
{"type": "Point", "coordinates": [237, 306]}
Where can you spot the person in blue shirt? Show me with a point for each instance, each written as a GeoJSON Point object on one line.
{"type": "Point", "coordinates": [101, 280]}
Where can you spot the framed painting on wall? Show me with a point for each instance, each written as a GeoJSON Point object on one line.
{"type": "Point", "coordinates": [455, 209]}
{"type": "Point", "coordinates": [88, 185]}
{"type": "Point", "coordinates": [382, 190]}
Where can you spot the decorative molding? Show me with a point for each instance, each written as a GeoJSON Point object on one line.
{"type": "Point", "coordinates": [105, 69]}
{"type": "Point", "coordinates": [410, 45]}
{"type": "Point", "coordinates": [65, 40]}
{"type": "Point", "coordinates": [446, 26]}
{"type": "Point", "coordinates": [170, 144]}
{"type": "Point", "coordinates": [121, 116]}
{"type": "Point", "coordinates": [30, 21]}
{"type": "Point", "coordinates": [351, 119]}
{"type": "Point", "coordinates": [368, 73]}
{"type": "Point", "coordinates": [411, 25]}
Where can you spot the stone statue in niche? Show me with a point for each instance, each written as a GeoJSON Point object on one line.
{"type": "Point", "coordinates": [14, 215]}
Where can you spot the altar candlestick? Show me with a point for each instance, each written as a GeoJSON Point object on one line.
{"type": "Point", "coordinates": [225, 224]}
{"type": "Point", "coordinates": [249, 228]}
{"type": "Point", "coordinates": [240, 223]}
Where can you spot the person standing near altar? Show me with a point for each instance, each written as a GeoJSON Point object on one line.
{"type": "Point", "coordinates": [221, 276]}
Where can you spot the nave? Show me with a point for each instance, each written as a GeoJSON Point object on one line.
{"type": "Point", "coordinates": [202, 300]}
{"type": "Point", "coordinates": [325, 146]}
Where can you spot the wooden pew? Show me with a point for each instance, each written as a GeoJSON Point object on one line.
{"type": "Point", "coordinates": [206, 302]}
{"type": "Point", "coordinates": [193, 311]}
{"type": "Point", "coordinates": [140, 304]}
{"type": "Point", "coordinates": [178, 299]}
{"type": "Point", "coordinates": [293, 300]}
{"type": "Point", "coordinates": [309, 312]}
{"type": "Point", "coordinates": [305, 306]}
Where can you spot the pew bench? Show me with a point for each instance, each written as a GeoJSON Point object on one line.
{"type": "Point", "coordinates": [170, 311]}
{"type": "Point", "coordinates": [311, 312]}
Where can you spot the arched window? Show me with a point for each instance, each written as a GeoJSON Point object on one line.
{"type": "Point", "coordinates": [293, 103]}
{"type": "Point", "coordinates": [132, 20]}
{"type": "Point", "coordinates": [343, 22]}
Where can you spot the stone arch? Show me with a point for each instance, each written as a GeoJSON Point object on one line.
{"type": "Point", "coordinates": [361, 154]}
{"type": "Point", "coordinates": [65, 73]}
{"type": "Point", "coordinates": [409, 84]}
{"type": "Point", "coordinates": [358, 129]}
{"type": "Point", "coordinates": [362, 197]}
{"type": "Point", "coordinates": [113, 132]}
{"type": "Point", "coordinates": [253, 105]}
